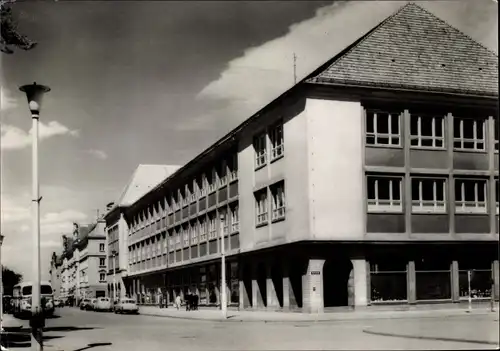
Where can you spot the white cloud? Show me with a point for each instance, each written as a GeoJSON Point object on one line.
{"type": "Point", "coordinates": [263, 73]}
{"type": "Point", "coordinates": [15, 138]}
{"type": "Point", "coordinates": [6, 101]}
{"type": "Point", "coordinates": [98, 153]}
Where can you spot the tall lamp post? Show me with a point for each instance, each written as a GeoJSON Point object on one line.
{"type": "Point", "coordinates": [34, 94]}
{"type": "Point", "coordinates": [223, 288]}
{"type": "Point", "coordinates": [114, 276]}
{"type": "Point", "coordinates": [1, 286]}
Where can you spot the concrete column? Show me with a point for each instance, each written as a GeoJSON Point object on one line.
{"type": "Point", "coordinates": [455, 287]}
{"type": "Point", "coordinates": [272, 297]}
{"type": "Point", "coordinates": [245, 295]}
{"type": "Point", "coordinates": [257, 298]}
{"type": "Point", "coordinates": [496, 279]}
{"type": "Point", "coordinates": [411, 284]}
{"type": "Point", "coordinates": [286, 287]}
{"type": "Point", "coordinates": [312, 287]}
{"type": "Point", "coordinates": [360, 283]}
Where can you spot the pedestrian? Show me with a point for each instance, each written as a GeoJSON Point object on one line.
{"type": "Point", "coordinates": [189, 301]}
{"type": "Point", "coordinates": [178, 301]}
{"type": "Point", "coordinates": [196, 299]}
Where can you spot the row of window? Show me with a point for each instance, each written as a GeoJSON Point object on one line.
{"type": "Point", "coordinates": [384, 193]}
{"type": "Point", "coordinates": [276, 193]}
{"type": "Point", "coordinates": [113, 234]}
{"type": "Point", "coordinates": [427, 131]}
{"type": "Point", "coordinates": [201, 230]}
{"type": "Point", "coordinates": [207, 183]}
{"type": "Point", "coordinates": [269, 145]}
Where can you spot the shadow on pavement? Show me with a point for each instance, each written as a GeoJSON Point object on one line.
{"type": "Point", "coordinates": [89, 346]}
{"type": "Point", "coordinates": [431, 338]}
{"type": "Point", "coordinates": [22, 337]}
{"type": "Point", "coordinates": [22, 340]}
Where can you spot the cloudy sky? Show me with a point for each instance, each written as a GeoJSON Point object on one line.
{"type": "Point", "coordinates": [156, 83]}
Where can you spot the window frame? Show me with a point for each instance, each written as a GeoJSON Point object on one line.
{"type": "Point", "coordinates": [420, 205]}
{"type": "Point", "coordinates": [374, 113]}
{"type": "Point", "coordinates": [261, 212]}
{"type": "Point", "coordinates": [434, 137]}
{"type": "Point", "coordinates": [393, 206]}
{"type": "Point", "coordinates": [260, 150]}
{"type": "Point", "coordinates": [212, 227]}
{"type": "Point", "coordinates": [460, 205]}
{"type": "Point", "coordinates": [102, 247]}
{"type": "Point", "coordinates": [277, 141]}
{"type": "Point", "coordinates": [497, 195]}
{"type": "Point", "coordinates": [462, 140]}
{"type": "Point", "coordinates": [235, 224]}
{"type": "Point", "coordinates": [278, 213]}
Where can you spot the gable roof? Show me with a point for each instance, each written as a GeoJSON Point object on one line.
{"type": "Point", "coordinates": [145, 178]}
{"type": "Point", "coordinates": [414, 50]}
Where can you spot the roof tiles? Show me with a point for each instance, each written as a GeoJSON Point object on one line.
{"type": "Point", "coordinates": [415, 50]}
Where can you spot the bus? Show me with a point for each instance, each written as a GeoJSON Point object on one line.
{"type": "Point", "coordinates": [21, 297]}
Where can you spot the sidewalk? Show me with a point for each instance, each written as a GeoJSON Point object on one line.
{"type": "Point", "coordinates": [210, 314]}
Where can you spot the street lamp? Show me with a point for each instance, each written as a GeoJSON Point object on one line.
{"type": "Point", "coordinates": [223, 269]}
{"type": "Point", "coordinates": [34, 94]}
{"type": "Point", "coordinates": [114, 275]}
{"type": "Point", "coordinates": [1, 287]}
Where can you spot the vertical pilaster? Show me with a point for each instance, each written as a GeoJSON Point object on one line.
{"type": "Point", "coordinates": [257, 298]}
{"type": "Point", "coordinates": [451, 181]}
{"type": "Point", "coordinates": [455, 287]}
{"type": "Point", "coordinates": [245, 297]}
{"type": "Point", "coordinates": [312, 287]}
{"type": "Point", "coordinates": [272, 297]}
{"type": "Point", "coordinates": [286, 286]}
{"type": "Point", "coordinates": [407, 162]}
{"type": "Point", "coordinates": [368, 283]}
{"type": "Point", "coordinates": [491, 186]}
{"type": "Point", "coordinates": [360, 283]}
{"type": "Point", "coordinates": [411, 283]}
{"type": "Point", "coordinates": [496, 279]}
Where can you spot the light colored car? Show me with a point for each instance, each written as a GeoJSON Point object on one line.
{"type": "Point", "coordinates": [126, 306]}
{"type": "Point", "coordinates": [93, 304]}
{"type": "Point", "coordinates": [103, 304]}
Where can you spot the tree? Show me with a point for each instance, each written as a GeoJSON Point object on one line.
{"type": "Point", "coordinates": [10, 278]}
{"type": "Point", "coordinates": [10, 35]}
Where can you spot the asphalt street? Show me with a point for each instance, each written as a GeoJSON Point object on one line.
{"type": "Point", "coordinates": [76, 330]}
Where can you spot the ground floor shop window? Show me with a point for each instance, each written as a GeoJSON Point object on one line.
{"type": "Point", "coordinates": [388, 281]}
{"type": "Point", "coordinates": [203, 293]}
{"type": "Point", "coordinates": [234, 285]}
{"type": "Point", "coordinates": [212, 294]}
{"type": "Point", "coordinates": [433, 278]}
{"type": "Point", "coordinates": [476, 273]}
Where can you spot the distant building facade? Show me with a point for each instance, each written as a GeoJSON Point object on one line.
{"type": "Point", "coordinates": [372, 181]}
{"type": "Point", "coordinates": [145, 178]}
{"type": "Point", "coordinates": [55, 274]}
{"type": "Point", "coordinates": [80, 272]}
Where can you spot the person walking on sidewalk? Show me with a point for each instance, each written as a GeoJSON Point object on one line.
{"type": "Point", "coordinates": [178, 301]}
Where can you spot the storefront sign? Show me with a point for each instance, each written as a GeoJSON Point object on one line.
{"type": "Point", "coordinates": [315, 273]}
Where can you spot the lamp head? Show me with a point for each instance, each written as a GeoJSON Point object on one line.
{"type": "Point", "coordinates": [34, 93]}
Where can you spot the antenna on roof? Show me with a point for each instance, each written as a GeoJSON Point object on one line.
{"type": "Point", "coordinates": [294, 68]}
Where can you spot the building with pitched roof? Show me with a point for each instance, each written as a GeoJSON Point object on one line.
{"type": "Point", "coordinates": [374, 180]}
{"type": "Point", "coordinates": [144, 179]}
{"type": "Point", "coordinates": [80, 271]}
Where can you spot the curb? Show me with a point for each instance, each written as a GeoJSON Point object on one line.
{"type": "Point", "coordinates": [410, 315]}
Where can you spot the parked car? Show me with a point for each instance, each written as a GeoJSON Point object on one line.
{"type": "Point", "coordinates": [126, 306]}
{"type": "Point", "coordinates": [85, 304]}
{"type": "Point", "coordinates": [58, 303]}
{"type": "Point", "coordinates": [103, 304]}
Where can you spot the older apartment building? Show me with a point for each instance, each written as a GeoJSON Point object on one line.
{"type": "Point", "coordinates": [80, 272]}
{"type": "Point", "coordinates": [373, 180]}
